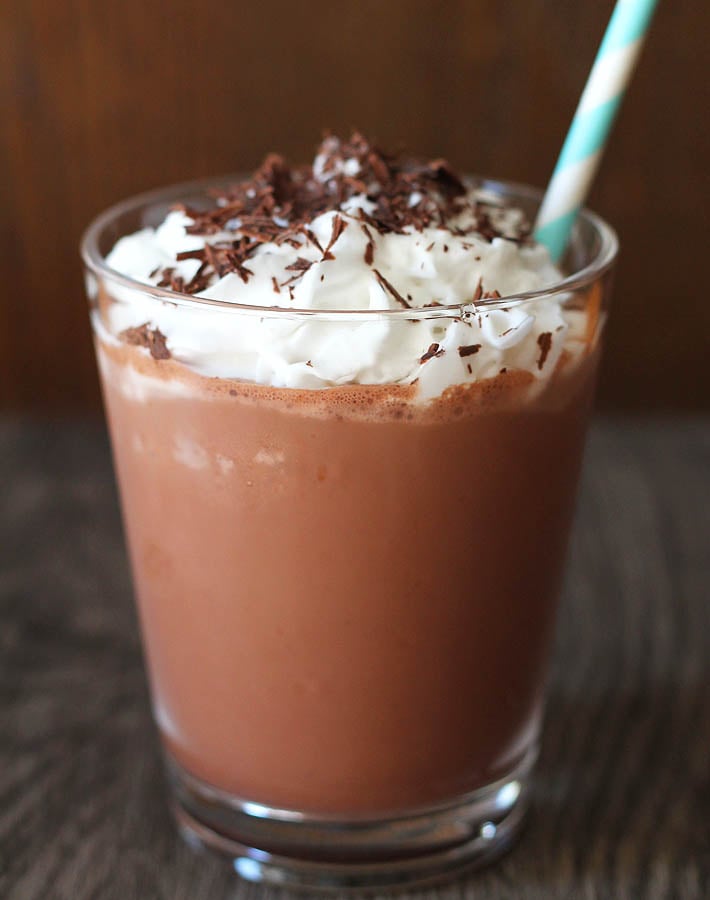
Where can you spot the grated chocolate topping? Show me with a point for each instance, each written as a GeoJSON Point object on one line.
{"type": "Point", "coordinates": [390, 288]}
{"type": "Point", "coordinates": [480, 294]}
{"type": "Point", "coordinates": [279, 201]}
{"type": "Point", "coordinates": [544, 342]}
{"type": "Point", "coordinates": [431, 353]}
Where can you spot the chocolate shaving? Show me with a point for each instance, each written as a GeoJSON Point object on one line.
{"type": "Point", "coordinates": [484, 226]}
{"type": "Point", "coordinates": [339, 226]}
{"type": "Point", "coordinates": [170, 280]}
{"type": "Point", "coordinates": [314, 240]}
{"type": "Point", "coordinates": [469, 349]}
{"type": "Point", "coordinates": [220, 258]}
{"type": "Point", "coordinates": [369, 247]}
{"type": "Point", "coordinates": [151, 338]}
{"type": "Point", "coordinates": [300, 265]}
{"type": "Point", "coordinates": [446, 179]}
{"type": "Point", "coordinates": [391, 289]}
{"type": "Point", "coordinates": [199, 281]}
{"type": "Point", "coordinates": [544, 342]}
{"type": "Point", "coordinates": [379, 167]}
{"type": "Point", "coordinates": [243, 273]}
{"type": "Point", "coordinates": [480, 294]}
{"type": "Point", "coordinates": [432, 352]}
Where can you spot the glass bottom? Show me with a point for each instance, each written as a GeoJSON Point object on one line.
{"type": "Point", "coordinates": [296, 850]}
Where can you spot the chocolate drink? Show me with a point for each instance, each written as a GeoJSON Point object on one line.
{"type": "Point", "coordinates": [346, 610]}
{"type": "Point", "coordinates": [347, 403]}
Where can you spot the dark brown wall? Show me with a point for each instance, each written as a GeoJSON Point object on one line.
{"type": "Point", "coordinates": [102, 99]}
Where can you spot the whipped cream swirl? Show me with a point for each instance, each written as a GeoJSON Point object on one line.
{"type": "Point", "coordinates": [342, 260]}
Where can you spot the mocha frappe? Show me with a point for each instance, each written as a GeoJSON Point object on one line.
{"type": "Point", "coordinates": [348, 451]}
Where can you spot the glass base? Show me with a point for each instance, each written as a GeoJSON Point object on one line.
{"type": "Point", "coordinates": [296, 850]}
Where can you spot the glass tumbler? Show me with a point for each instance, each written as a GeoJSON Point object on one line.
{"type": "Point", "coordinates": [346, 594]}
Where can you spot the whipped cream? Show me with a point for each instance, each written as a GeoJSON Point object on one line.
{"type": "Point", "coordinates": [347, 264]}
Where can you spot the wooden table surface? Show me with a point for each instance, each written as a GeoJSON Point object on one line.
{"type": "Point", "coordinates": [622, 808]}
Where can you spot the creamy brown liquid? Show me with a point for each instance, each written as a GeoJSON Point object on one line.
{"type": "Point", "coordinates": [346, 597]}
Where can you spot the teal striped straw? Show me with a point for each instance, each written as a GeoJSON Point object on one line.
{"type": "Point", "coordinates": [597, 109]}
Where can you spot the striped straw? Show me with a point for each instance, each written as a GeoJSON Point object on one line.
{"type": "Point", "coordinates": [598, 106]}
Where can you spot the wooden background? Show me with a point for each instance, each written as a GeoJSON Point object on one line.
{"type": "Point", "coordinates": [102, 99]}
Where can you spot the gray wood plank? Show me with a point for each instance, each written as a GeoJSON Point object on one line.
{"type": "Point", "coordinates": [623, 797]}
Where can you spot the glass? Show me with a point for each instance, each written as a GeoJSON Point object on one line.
{"type": "Point", "coordinates": [346, 596]}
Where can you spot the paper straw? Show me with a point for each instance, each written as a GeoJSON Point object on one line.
{"type": "Point", "coordinates": [597, 109]}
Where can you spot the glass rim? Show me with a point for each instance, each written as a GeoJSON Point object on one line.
{"type": "Point", "coordinates": [95, 262]}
